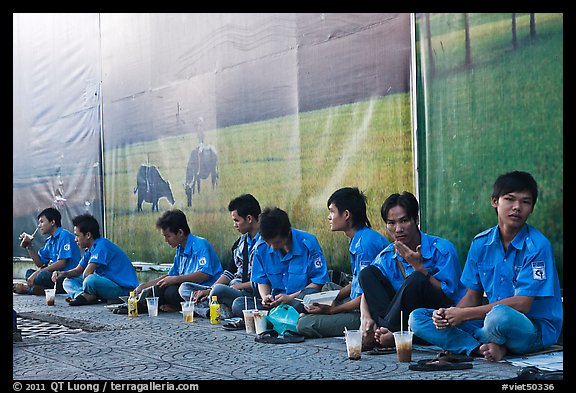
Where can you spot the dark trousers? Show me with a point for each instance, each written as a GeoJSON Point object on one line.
{"type": "Point", "coordinates": [166, 295]}
{"type": "Point", "coordinates": [385, 304]}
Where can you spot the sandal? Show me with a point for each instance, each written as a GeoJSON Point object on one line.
{"type": "Point", "coordinates": [382, 350]}
{"type": "Point", "coordinates": [233, 324]}
{"type": "Point", "coordinates": [292, 337]}
{"type": "Point", "coordinates": [269, 337]}
{"type": "Point", "coordinates": [438, 365]}
{"type": "Point", "coordinates": [81, 301]}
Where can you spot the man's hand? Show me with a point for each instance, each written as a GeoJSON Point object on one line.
{"type": "Point", "coordinates": [414, 258]}
{"type": "Point", "coordinates": [201, 295]}
{"type": "Point", "coordinates": [317, 308]}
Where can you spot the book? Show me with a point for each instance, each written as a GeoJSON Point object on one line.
{"type": "Point", "coordinates": [321, 297]}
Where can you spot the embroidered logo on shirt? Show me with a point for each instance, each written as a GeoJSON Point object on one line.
{"type": "Point", "coordinates": [318, 262]}
{"type": "Point", "coordinates": [66, 247]}
{"type": "Point", "coordinates": [538, 271]}
{"type": "Point", "coordinates": [202, 261]}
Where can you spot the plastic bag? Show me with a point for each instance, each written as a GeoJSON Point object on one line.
{"type": "Point", "coordinates": [283, 317]}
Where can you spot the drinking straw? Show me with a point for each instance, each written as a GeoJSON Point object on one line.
{"type": "Point", "coordinates": [255, 308]}
{"type": "Point", "coordinates": [246, 302]}
{"type": "Point", "coordinates": [35, 230]}
{"type": "Point", "coordinates": [153, 294]}
{"type": "Point", "coordinates": [401, 321]}
{"type": "Point", "coordinates": [191, 294]}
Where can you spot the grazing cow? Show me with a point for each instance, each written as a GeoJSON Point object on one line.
{"type": "Point", "coordinates": [151, 187]}
{"type": "Point", "coordinates": [208, 160]}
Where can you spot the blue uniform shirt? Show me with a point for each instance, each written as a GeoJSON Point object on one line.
{"type": "Point", "coordinates": [61, 245]}
{"type": "Point", "coordinates": [197, 256]}
{"type": "Point", "coordinates": [526, 269]}
{"type": "Point", "coordinates": [364, 247]}
{"type": "Point", "coordinates": [439, 257]}
{"type": "Point", "coordinates": [302, 265]}
{"type": "Point", "coordinates": [112, 261]}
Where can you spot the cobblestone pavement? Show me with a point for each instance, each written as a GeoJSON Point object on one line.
{"type": "Point", "coordinates": [92, 343]}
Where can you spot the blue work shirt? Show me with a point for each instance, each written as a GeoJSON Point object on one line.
{"type": "Point", "coordinates": [527, 268]}
{"type": "Point", "coordinates": [112, 263]}
{"type": "Point", "coordinates": [61, 245]}
{"type": "Point", "coordinates": [364, 247]}
{"type": "Point", "coordinates": [290, 273]}
{"type": "Point", "coordinates": [439, 257]}
{"type": "Point", "coordinates": [197, 256]}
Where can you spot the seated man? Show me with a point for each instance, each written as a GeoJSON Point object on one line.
{"type": "Point", "coordinates": [417, 270]}
{"type": "Point", "coordinates": [60, 252]}
{"type": "Point", "coordinates": [347, 213]}
{"type": "Point", "coordinates": [288, 263]}
{"type": "Point", "coordinates": [196, 265]}
{"type": "Point", "coordinates": [104, 272]}
{"type": "Point", "coordinates": [235, 281]}
{"type": "Point", "coordinates": [514, 265]}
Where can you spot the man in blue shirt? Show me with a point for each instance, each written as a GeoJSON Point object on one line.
{"type": "Point", "coordinates": [417, 270]}
{"type": "Point", "coordinates": [513, 264]}
{"type": "Point", "coordinates": [288, 263]}
{"type": "Point", "coordinates": [234, 289]}
{"type": "Point", "coordinates": [347, 213]}
{"type": "Point", "coordinates": [104, 272]}
{"type": "Point", "coordinates": [60, 252]}
{"type": "Point", "coordinates": [196, 265]}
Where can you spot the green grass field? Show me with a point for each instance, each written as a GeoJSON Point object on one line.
{"type": "Point", "coordinates": [505, 113]}
{"type": "Point", "coordinates": [293, 162]}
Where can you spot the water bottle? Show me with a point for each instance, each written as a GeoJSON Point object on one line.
{"type": "Point", "coordinates": [214, 311]}
{"type": "Point", "coordinates": [132, 305]}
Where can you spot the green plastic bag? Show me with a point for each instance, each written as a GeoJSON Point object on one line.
{"type": "Point", "coordinates": [284, 317]}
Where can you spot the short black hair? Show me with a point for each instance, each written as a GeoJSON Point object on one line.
{"type": "Point", "coordinates": [51, 214]}
{"type": "Point", "coordinates": [353, 200]}
{"type": "Point", "coordinates": [274, 222]}
{"type": "Point", "coordinates": [87, 223]}
{"type": "Point", "coordinates": [245, 205]}
{"type": "Point", "coordinates": [515, 181]}
{"type": "Point", "coordinates": [407, 200]}
{"type": "Point", "coordinates": [173, 220]}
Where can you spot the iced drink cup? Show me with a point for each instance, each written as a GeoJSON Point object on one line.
{"type": "Point", "coordinates": [50, 296]}
{"type": "Point", "coordinates": [403, 341]}
{"type": "Point", "coordinates": [249, 321]}
{"type": "Point", "coordinates": [260, 320]}
{"type": "Point", "coordinates": [152, 304]}
{"type": "Point", "coordinates": [187, 311]}
{"type": "Point", "coordinates": [353, 344]}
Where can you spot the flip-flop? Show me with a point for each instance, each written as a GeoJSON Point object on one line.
{"type": "Point", "coordinates": [438, 365]}
{"type": "Point", "coordinates": [81, 301]}
{"type": "Point", "coordinates": [292, 337]}
{"type": "Point", "coordinates": [233, 324]}
{"type": "Point", "coordinates": [382, 351]}
{"type": "Point", "coordinates": [452, 357]}
{"type": "Point", "coordinates": [269, 337]}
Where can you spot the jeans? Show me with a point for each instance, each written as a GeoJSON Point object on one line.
{"type": "Point", "coordinates": [44, 279]}
{"type": "Point", "coordinates": [94, 284]}
{"type": "Point", "coordinates": [503, 325]}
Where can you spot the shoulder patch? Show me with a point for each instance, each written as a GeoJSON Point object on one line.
{"type": "Point", "coordinates": [538, 270]}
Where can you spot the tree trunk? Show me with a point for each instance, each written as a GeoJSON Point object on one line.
{"type": "Point", "coordinates": [514, 41]}
{"type": "Point", "coordinates": [429, 39]}
{"type": "Point", "coordinates": [468, 59]}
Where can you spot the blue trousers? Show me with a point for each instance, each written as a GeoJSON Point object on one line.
{"type": "Point", "coordinates": [503, 325]}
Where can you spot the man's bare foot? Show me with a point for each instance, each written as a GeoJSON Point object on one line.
{"type": "Point", "coordinates": [20, 288]}
{"type": "Point", "coordinates": [384, 337]}
{"type": "Point", "coordinates": [492, 351]}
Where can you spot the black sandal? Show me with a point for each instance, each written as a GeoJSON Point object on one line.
{"type": "Point", "coordinates": [81, 301]}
